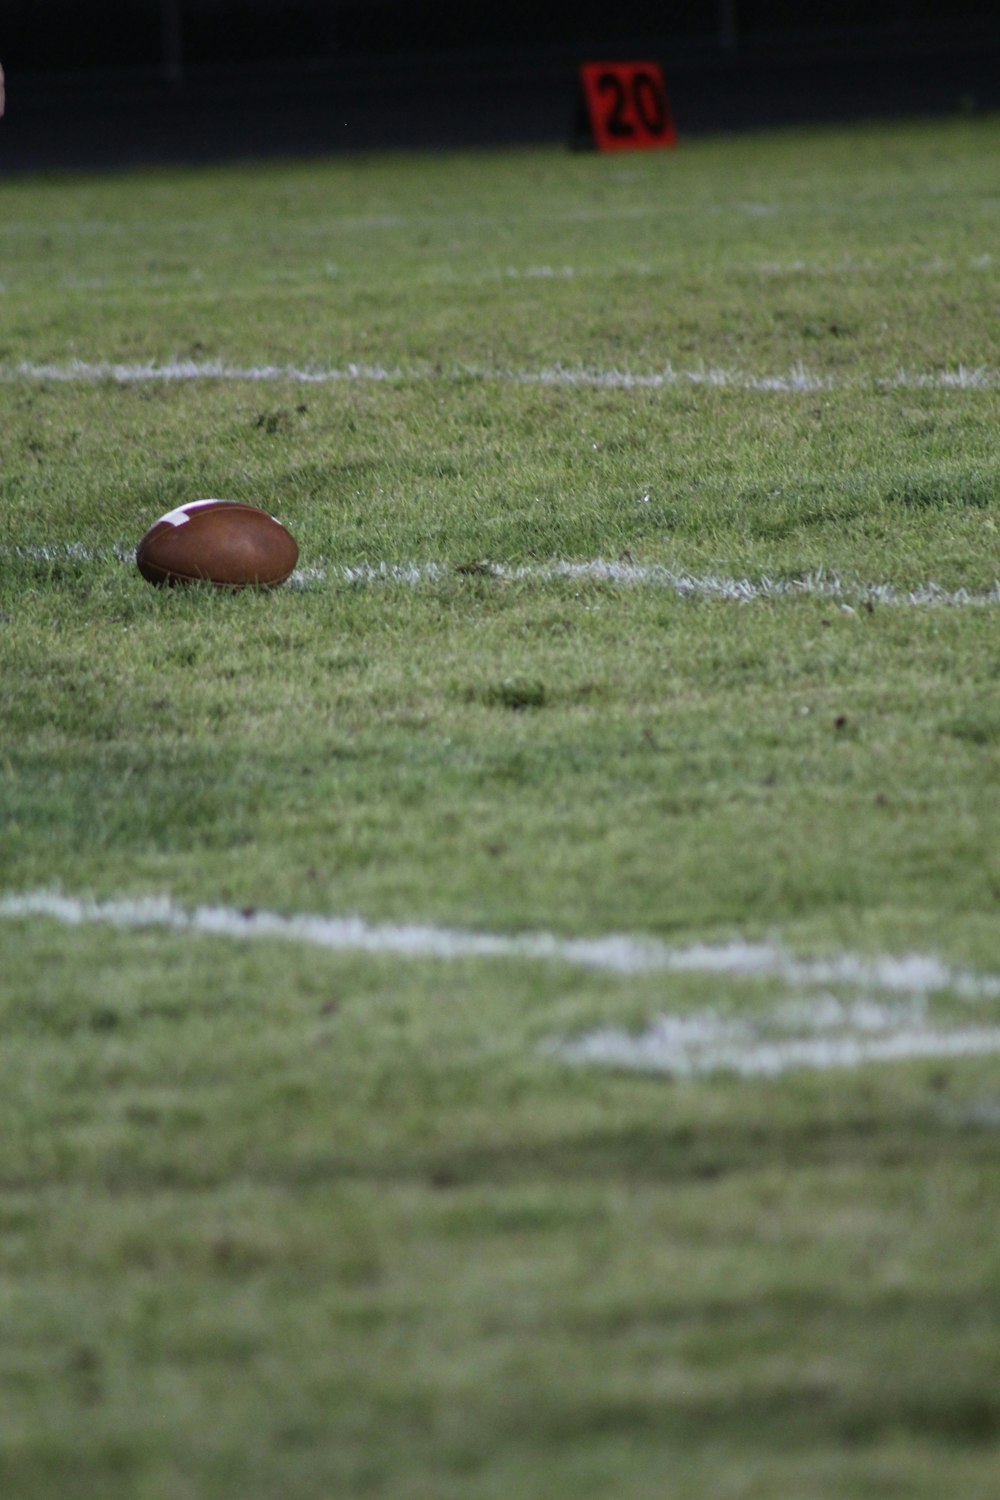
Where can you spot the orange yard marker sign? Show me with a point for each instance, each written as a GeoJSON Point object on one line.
{"type": "Point", "coordinates": [624, 106]}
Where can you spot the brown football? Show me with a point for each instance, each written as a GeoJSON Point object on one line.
{"type": "Point", "coordinates": [223, 542]}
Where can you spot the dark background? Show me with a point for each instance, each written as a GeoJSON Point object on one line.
{"type": "Point", "coordinates": [122, 82]}
{"type": "Point", "coordinates": [39, 36]}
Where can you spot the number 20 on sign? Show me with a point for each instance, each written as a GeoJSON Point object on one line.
{"type": "Point", "coordinates": [626, 106]}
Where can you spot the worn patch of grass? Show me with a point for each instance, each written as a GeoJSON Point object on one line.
{"type": "Point", "coordinates": [280, 1221]}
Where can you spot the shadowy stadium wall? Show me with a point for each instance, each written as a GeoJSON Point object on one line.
{"type": "Point", "coordinates": [43, 36]}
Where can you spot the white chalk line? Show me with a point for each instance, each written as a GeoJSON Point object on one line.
{"type": "Point", "coordinates": [824, 1032]}
{"type": "Point", "coordinates": [653, 575]}
{"type": "Point", "coordinates": [797, 380]}
{"type": "Point", "coordinates": [616, 953]}
{"type": "Point", "coordinates": [821, 585]}
{"type": "Point", "coordinates": [705, 1042]}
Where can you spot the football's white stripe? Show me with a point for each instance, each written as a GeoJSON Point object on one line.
{"type": "Point", "coordinates": [796, 380]}
{"type": "Point", "coordinates": [182, 513]}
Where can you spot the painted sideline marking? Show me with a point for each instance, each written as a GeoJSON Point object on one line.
{"type": "Point", "coordinates": [820, 585]}
{"type": "Point", "coordinates": [655, 575]}
{"type": "Point", "coordinates": [794, 381]}
{"type": "Point", "coordinates": [618, 953]}
{"type": "Point", "coordinates": [823, 1032]}
{"type": "Point", "coordinates": [827, 1035]}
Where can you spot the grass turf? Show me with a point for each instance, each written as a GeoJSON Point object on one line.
{"type": "Point", "coordinates": [291, 1222]}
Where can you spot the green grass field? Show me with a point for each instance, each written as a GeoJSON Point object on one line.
{"type": "Point", "coordinates": [648, 588]}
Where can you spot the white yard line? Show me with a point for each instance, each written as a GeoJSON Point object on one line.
{"type": "Point", "coordinates": [819, 1031]}
{"type": "Point", "coordinates": [83, 372]}
{"type": "Point", "coordinates": [829, 586]}
{"type": "Point", "coordinates": [797, 380]}
{"type": "Point", "coordinates": [619, 953]}
{"type": "Point", "coordinates": [654, 575]}
{"type": "Point", "coordinates": [703, 1043]}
